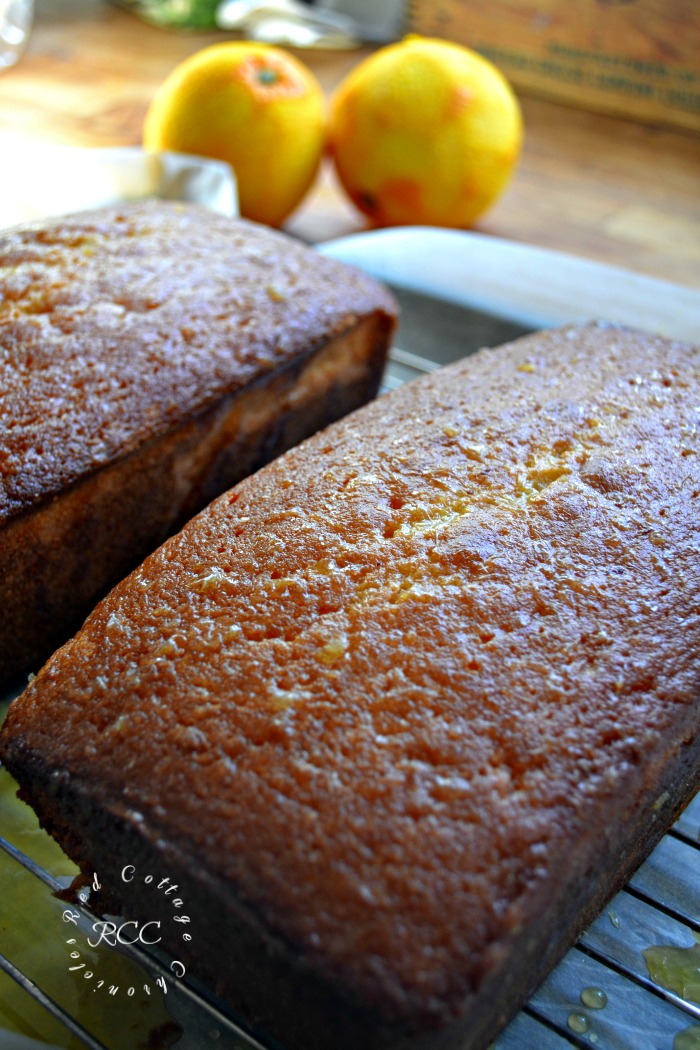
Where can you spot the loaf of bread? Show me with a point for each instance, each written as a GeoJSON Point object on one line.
{"type": "Point", "coordinates": [400, 712]}
{"type": "Point", "coordinates": [150, 357]}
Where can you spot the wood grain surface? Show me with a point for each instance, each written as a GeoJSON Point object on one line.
{"type": "Point", "coordinates": [597, 186]}
{"type": "Point", "coordinates": [636, 58]}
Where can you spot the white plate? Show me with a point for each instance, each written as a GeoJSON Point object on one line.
{"type": "Point", "coordinates": [536, 287]}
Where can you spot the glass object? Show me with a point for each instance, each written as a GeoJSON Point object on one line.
{"type": "Point", "coordinates": [15, 23]}
{"type": "Point", "coordinates": [374, 21]}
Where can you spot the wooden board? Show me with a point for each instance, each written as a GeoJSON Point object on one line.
{"type": "Point", "coordinates": [638, 58]}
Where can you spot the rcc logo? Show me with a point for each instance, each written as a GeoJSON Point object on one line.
{"type": "Point", "coordinates": [111, 934]}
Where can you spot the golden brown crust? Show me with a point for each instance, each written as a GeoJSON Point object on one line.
{"type": "Point", "coordinates": [384, 689]}
{"type": "Point", "coordinates": [132, 344]}
{"type": "Point", "coordinates": [119, 323]}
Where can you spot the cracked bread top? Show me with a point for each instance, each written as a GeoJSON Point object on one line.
{"type": "Point", "coordinates": [395, 687]}
{"type": "Point", "coordinates": [118, 324]}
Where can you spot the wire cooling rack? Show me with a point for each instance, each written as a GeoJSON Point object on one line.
{"type": "Point", "coordinates": [602, 993]}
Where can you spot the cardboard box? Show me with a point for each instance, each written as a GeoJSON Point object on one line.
{"type": "Point", "coordinates": [635, 58]}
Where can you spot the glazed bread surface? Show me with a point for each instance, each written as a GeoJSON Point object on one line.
{"type": "Point", "coordinates": [152, 355]}
{"type": "Point", "coordinates": [400, 712]}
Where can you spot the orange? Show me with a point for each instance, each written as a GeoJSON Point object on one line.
{"type": "Point", "coordinates": [252, 105]}
{"type": "Point", "coordinates": [425, 131]}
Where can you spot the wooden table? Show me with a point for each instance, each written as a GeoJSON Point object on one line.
{"type": "Point", "coordinates": [607, 189]}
